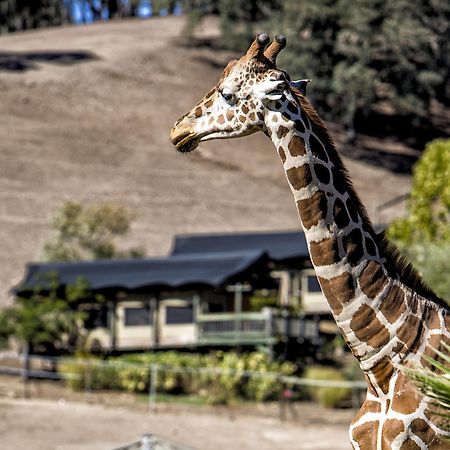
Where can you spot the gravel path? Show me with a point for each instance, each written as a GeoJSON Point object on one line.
{"type": "Point", "coordinates": [62, 425]}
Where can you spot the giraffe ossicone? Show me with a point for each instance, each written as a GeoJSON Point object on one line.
{"type": "Point", "coordinates": [387, 316]}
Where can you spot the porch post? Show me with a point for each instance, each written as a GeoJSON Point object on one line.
{"type": "Point", "coordinates": [196, 310]}
{"type": "Point", "coordinates": [238, 289]}
{"type": "Point", "coordinates": [154, 311]}
{"type": "Point", "coordinates": [112, 323]}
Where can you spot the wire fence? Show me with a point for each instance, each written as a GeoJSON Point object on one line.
{"type": "Point", "coordinates": [50, 368]}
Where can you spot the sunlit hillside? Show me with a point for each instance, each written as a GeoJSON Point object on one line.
{"type": "Point", "coordinates": [85, 113]}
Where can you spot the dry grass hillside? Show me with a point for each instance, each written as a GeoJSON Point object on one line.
{"type": "Point", "coordinates": [85, 114]}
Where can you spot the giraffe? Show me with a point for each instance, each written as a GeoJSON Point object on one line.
{"type": "Point", "coordinates": [385, 313]}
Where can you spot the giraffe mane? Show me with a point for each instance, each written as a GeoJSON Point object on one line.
{"type": "Point", "coordinates": [396, 264]}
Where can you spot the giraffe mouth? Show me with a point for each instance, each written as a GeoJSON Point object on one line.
{"type": "Point", "coordinates": [188, 144]}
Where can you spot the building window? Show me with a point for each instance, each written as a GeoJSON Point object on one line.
{"type": "Point", "coordinates": [177, 315]}
{"type": "Point", "coordinates": [313, 284]}
{"type": "Point", "coordinates": [137, 317]}
{"type": "Point", "coordinates": [96, 318]}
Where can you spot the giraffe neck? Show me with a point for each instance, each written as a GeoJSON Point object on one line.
{"type": "Point", "coordinates": [342, 243]}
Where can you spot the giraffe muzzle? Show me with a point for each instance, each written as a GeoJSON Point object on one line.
{"type": "Point", "coordinates": [183, 136]}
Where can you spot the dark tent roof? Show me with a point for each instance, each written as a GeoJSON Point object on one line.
{"type": "Point", "coordinates": [212, 269]}
{"type": "Point", "coordinates": [280, 245]}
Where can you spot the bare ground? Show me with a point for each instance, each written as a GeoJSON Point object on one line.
{"type": "Point", "coordinates": [85, 114]}
{"type": "Point", "coordinates": [57, 419]}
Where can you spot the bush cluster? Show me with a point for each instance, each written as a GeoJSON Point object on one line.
{"type": "Point", "coordinates": [218, 377]}
{"type": "Point", "coordinates": [327, 396]}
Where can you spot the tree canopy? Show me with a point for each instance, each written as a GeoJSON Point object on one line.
{"type": "Point", "coordinates": [428, 217]}
{"type": "Point", "coordinates": [46, 321]}
{"type": "Point", "coordinates": [425, 233]}
{"type": "Point", "coordinates": [90, 232]}
{"type": "Point", "coordinates": [366, 57]}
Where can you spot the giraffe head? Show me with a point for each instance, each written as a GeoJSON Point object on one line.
{"type": "Point", "coordinates": [237, 105]}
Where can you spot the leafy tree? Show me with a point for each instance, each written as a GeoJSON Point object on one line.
{"type": "Point", "coordinates": [425, 233]}
{"type": "Point", "coordinates": [368, 56]}
{"type": "Point", "coordinates": [17, 15]}
{"type": "Point", "coordinates": [89, 232]}
{"type": "Point", "coordinates": [47, 320]}
{"type": "Point", "coordinates": [429, 208]}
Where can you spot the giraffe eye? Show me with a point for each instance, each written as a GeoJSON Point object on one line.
{"type": "Point", "coordinates": [227, 96]}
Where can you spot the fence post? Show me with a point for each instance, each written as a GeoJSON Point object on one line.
{"type": "Point", "coordinates": [88, 380]}
{"type": "Point", "coordinates": [355, 398]}
{"type": "Point", "coordinates": [25, 369]}
{"type": "Point", "coordinates": [153, 387]}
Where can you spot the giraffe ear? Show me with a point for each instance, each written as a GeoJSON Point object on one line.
{"type": "Point", "coordinates": [271, 90]}
{"type": "Point", "coordinates": [300, 85]}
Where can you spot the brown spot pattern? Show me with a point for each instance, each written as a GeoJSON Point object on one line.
{"type": "Point", "coordinates": [410, 332]}
{"type": "Point", "coordinates": [370, 246]}
{"type": "Point", "coordinates": [198, 112]}
{"type": "Point", "coordinates": [282, 131]}
{"type": "Point", "coordinates": [406, 399]}
{"type": "Point", "coordinates": [325, 252]}
{"type": "Point", "coordinates": [322, 173]}
{"type": "Point", "coordinates": [298, 124]}
{"type": "Point", "coordinates": [293, 108]}
{"type": "Point", "coordinates": [372, 279]}
{"type": "Point", "coordinates": [352, 210]}
{"type": "Point", "coordinates": [338, 290]}
{"type": "Point", "coordinates": [382, 372]}
{"type": "Point", "coordinates": [312, 209]}
{"type": "Point", "coordinates": [297, 146]}
{"type": "Point", "coordinates": [210, 93]}
{"type": "Point", "coordinates": [353, 246]}
{"type": "Point", "coordinates": [340, 214]}
{"type": "Point", "coordinates": [282, 154]}
{"type": "Point", "coordinates": [299, 177]}
{"type": "Point", "coordinates": [393, 305]}
{"type": "Point", "coordinates": [366, 435]}
{"type": "Point", "coordinates": [432, 319]}
{"type": "Point", "coordinates": [409, 444]}
{"type": "Point", "coordinates": [368, 328]}
{"type": "Point", "coordinates": [422, 430]}
{"type": "Point", "coordinates": [338, 181]}
{"type": "Point", "coordinates": [317, 149]}
{"type": "Point", "coordinates": [391, 429]}
{"type": "Point", "coordinates": [230, 114]}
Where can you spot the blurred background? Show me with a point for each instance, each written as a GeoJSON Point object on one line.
{"type": "Point", "coordinates": [89, 91]}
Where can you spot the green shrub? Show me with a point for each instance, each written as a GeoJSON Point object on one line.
{"type": "Point", "coordinates": [218, 378]}
{"type": "Point", "coordinates": [327, 396]}
{"type": "Point", "coordinates": [90, 373]}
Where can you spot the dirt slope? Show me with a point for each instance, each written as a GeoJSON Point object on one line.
{"type": "Point", "coordinates": [85, 114]}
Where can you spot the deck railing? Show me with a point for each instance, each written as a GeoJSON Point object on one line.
{"type": "Point", "coordinates": [243, 328]}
